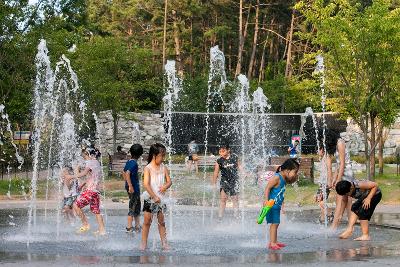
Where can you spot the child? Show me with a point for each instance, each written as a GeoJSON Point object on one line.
{"type": "Point", "coordinates": [275, 189]}
{"type": "Point", "coordinates": [130, 175]}
{"type": "Point", "coordinates": [324, 184]}
{"type": "Point", "coordinates": [70, 191]}
{"type": "Point", "coordinates": [336, 146]}
{"type": "Point", "coordinates": [91, 195]}
{"type": "Point", "coordinates": [368, 196]}
{"type": "Point", "coordinates": [228, 164]}
{"type": "Point", "coordinates": [156, 181]}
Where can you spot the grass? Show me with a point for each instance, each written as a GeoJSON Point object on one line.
{"type": "Point", "coordinates": [194, 186]}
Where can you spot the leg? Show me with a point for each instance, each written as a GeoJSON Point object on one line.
{"type": "Point", "coordinates": [190, 165]}
{"type": "Point", "coordinates": [196, 165]}
{"type": "Point", "coordinates": [100, 222]}
{"type": "Point", "coordinates": [137, 223]}
{"type": "Point", "coordinates": [365, 231]}
{"type": "Point", "coordinates": [235, 201]}
{"type": "Point", "coordinates": [162, 231]}
{"type": "Point", "coordinates": [341, 202]}
{"type": "Point", "coordinates": [222, 203]}
{"type": "Point", "coordinates": [273, 235]}
{"type": "Point", "coordinates": [129, 224]}
{"type": "Point", "coordinates": [130, 213]}
{"type": "Point", "coordinates": [350, 227]}
{"type": "Point", "coordinates": [81, 215]}
{"type": "Point", "coordinates": [145, 231]}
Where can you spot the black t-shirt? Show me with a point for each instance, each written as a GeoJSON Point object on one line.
{"type": "Point", "coordinates": [229, 169]}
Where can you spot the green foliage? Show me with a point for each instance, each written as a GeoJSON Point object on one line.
{"type": "Point", "coordinates": [116, 77]}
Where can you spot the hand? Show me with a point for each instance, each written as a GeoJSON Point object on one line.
{"type": "Point", "coordinates": [161, 189]}
{"type": "Point", "coordinates": [366, 203]}
{"type": "Point", "coordinates": [130, 189]}
{"type": "Point", "coordinates": [157, 200]}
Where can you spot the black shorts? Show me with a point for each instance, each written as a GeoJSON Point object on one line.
{"type": "Point", "coordinates": [154, 207]}
{"type": "Point", "coordinates": [366, 214]}
{"type": "Point", "coordinates": [191, 157]}
{"type": "Point", "coordinates": [230, 190]}
{"type": "Point", "coordinates": [134, 204]}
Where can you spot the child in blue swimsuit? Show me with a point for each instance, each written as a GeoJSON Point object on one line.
{"type": "Point", "coordinates": [275, 189]}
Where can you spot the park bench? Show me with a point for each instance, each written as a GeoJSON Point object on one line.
{"type": "Point", "coordinates": [306, 165]}
{"type": "Point", "coordinates": [116, 164]}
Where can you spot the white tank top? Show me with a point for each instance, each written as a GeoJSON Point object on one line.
{"type": "Point", "coordinates": [157, 179]}
{"type": "Point", "coordinates": [348, 171]}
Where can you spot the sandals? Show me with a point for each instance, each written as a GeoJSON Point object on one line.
{"type": "Point", "coordinates": [275, 247]}
{"type": "Point", "coordinates": [282, 245]}
{"type": "Point", "coordinates": [83, 229]}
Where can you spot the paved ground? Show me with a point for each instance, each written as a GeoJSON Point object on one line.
{"type": "Point", "coordinates": [196, 240]}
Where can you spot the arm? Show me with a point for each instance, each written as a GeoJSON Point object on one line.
{"type": "Point", "coordinates": [330, 179]}
{"type": "Point", "coordinates": [215, 174]}
{"type": "Point", "coordinates": [167, 183]}
{"type": "Point", "coordinates": [271, 183]}
{"type": "Point", "coordinates": [126, 175]}
{"type": "Point", "coordinates": [78, 174]}
{"type": "Point", "coordinates": [147, 186]}
{"type": "Point", "coordinates": [368, 185]}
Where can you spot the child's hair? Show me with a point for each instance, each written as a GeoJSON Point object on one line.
{"type": "Point", "coordinates": [331, 139]}
{"type": "Point", "coordinates": [155, 149]}
{"type": "Point", "coordinates": [343, 187]}
{"type": "Point", "coordinates": [224, 145]}
{"type": "Point", "coordinates": [289, 164]}
{"type": "Point", "coordinates": [89, 151]}
{"type": "Point", "coordinates": [136, 151]}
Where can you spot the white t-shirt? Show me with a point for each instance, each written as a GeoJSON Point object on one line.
{"type": "Point", "coordinates": [93, 177]}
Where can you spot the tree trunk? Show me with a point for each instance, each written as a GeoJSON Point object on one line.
{"type": "Point", "coordinates": [372, 144]}
{"type": "Point", "coordinates": [289, 70]}
{"type": "Point", "coordinates": [381, 145]}
{"type": "Point", "coordinates": [239, 59]}
{"type": "Point", "coordinates": [177, 42]}
{"type": "Point", "coordinates": [242, 37]}
{"type": "Point", "coordinates": [367, 160]}
{"type": "Point", "coordinates": [115, 130]}
{"type": "Point", "coordinates": [255, 39]}
{"type": "Point", "coordinates": [164, 34]}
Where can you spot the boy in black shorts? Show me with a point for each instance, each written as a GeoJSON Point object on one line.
{"type": "Point", "coordinates": [368, 196]}
{"type": "Point", "coordinates": [229, 165]}
{"type": "Point", "coordinates": [130, 175]}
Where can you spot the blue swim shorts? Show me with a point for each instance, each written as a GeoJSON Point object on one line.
{"type": "Point", "coordinates": [274, 216]}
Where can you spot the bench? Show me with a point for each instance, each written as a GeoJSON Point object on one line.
{"type": "Point", "coordinates": [116, 164]}
{"type": "Point", "coordinates": [306, 165]}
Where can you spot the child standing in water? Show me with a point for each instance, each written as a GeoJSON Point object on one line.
{"type": "Point", "coordinates": [130, 175]}
{"type": "Point", "coordinates": [325, 183]}
{"type": "Point", "coordinates": [275, 189]}
{"type": "Point", "coordinates": [91, 195]}
{"type": "Point", "coordinates": [156, 181]}
{"type": "Point", "coordinates": [336, 146]}
{"type": "Point", "coordinates": [70, 191]}
{"type": "Point", "coordinates": [229, 165]}
{"type": "Point", "coordinates": [368, 196]}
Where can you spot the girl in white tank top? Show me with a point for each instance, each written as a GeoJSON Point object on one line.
{"type": "Point", "coordinates": [156, 181]}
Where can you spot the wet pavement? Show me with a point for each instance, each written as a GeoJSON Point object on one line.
{"type": "Point", "coordinates": [195, 239]}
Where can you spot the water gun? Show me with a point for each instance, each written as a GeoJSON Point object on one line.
{"type": "Point", "coordinates": [264, 211]}
{"type": "Point", "coordinates": [267, 206]}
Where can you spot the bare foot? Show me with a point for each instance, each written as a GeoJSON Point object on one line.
{"type": "Point", "coordinates": [165, 246]}
{"type": "Point", "coordinates": [346, 234]}
{"type": "Point", "coordinates": [142, 247]}
{"type": "Point", "coordinates": [363, 238]}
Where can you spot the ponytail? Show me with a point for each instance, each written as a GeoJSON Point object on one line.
{"type": "Point", "coordinates": [289, 164]}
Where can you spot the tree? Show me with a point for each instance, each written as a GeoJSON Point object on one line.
{"type": "Point", "coordinates": [360, 45]}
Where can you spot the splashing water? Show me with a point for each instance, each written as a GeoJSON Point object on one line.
{"type": "Point", "coordinates": [170, 99]}
{"type": "Point", "coordinates": [56, 99]}
{"type": "Point", "coordinates": [215, 86]}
